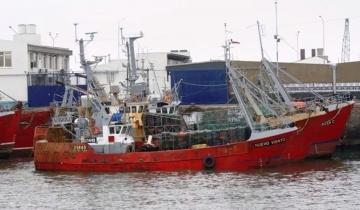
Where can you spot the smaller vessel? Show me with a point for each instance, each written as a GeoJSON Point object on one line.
{"type": "Point", "coordinates": [9, 121]}
{"type": "Point", "coordinates": [29, 120]}
{"type": "Point", "coordinates": [21, 120]}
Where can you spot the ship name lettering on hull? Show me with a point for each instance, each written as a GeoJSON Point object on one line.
{"type": "Point", "coordinates": [269, 143]}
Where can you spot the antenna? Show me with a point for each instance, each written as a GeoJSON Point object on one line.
{"type": "Point", "coordinates": [122, 36]}
{"type": "Point", "coordinates": [11, 28]}
{"type": "Point", "coordinates": [276, 37]}
{"type": "Point", "coordinates": [75, 25]}
{"type": "Point", "coordinates": [91, 35]}
{"type": "Point", "coordinates": [261, 46]}
{"type": "Point", "coordinates": [118, 36]}
{"type": "Point", "coordinates": [226, 46]}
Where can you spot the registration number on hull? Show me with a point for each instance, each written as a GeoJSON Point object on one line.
{"type": "Point", "coordinates": [328, 122]}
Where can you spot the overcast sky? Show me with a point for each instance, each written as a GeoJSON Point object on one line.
{"type": "Point", "coordinates": [195, 25]}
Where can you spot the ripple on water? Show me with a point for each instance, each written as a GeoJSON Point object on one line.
{"type": "Point", "coordinates": [314, 184]}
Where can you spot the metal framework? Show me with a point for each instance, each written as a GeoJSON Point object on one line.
{"type": "Point", "coordinates": [345, 52]}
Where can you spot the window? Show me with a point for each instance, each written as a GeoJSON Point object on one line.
{"type": "Point", "coordinates": [33, 60]}
{"type": "Point", "coordinates": [51, 62]}
{"type": "Point", "coordinates": [117, 129]}
{"type": "Point", "coordinates": [111, 130]}
{"type": "Point", "coordinates": [141, 109]}
{"type": "Point", "coordinates": [123, 131]}
{"type": "Point", "coordinates": [5, 59]}
{"type": "Point", "coordinates": [133, 109]}
{"type": "Point", "coordinates": [44, 61]}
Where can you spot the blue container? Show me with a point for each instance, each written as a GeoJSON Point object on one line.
{"type": "Point", "coordinates": [116, 117]}
{"type": "Point", "coordinates": [43, 95]}
{"type": "Point", "coordinates": [201, 83]}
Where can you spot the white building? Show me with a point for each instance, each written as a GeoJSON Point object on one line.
{"type": "Point", "coordinates": [154, 64]}
{"type": "Point", "coordinates": [23, 59]}
{"type": "Point", "coordinates": [317, 57]}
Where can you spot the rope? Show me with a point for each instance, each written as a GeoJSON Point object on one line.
{"type": "Point", "coordinates": [201, 85]}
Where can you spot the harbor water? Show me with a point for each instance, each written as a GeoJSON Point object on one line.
{"type": "Point", "coordinates": [312, 184]}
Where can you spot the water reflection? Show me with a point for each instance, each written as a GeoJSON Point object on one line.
{"type": "Point", "coordinates": [325, 184]}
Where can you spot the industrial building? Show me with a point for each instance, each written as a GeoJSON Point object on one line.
{"type": "Point", "coordinates": [206, 82]}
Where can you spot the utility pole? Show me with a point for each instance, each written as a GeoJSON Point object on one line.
{"type": "Point", "coordinates": [297, 45]}
{"type": "Point", "coordinates": [323, 33]}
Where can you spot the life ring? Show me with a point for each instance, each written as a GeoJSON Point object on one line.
{"type": "Point", "coordinates": [209, 162]}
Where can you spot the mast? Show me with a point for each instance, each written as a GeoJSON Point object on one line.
{"type": "Point", "coordinates": [276, 37]}
{"type": "Point", "coordinates": [261, 46]}
{"type": "Point", "coordinates": [133, 76]}
{"type": "Point", "coordinates": [231, 75]}
{"type": "Point", "coordinates": [267, 69]}
{"type": "Point", "coordinates": [101, 116]}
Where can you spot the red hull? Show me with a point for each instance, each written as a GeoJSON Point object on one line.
{"type": "Point", "coordinates": [236, 156]}
{"type": "Point", "coordinates": [8, 126]}
{"type": "Point", "coordinates": [30, 119]}
{"type": "Point", "coordinates": [322, 133]}
{"type": "Point", "coordinates": [316, 135]}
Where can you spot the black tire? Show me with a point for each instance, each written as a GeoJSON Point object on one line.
{"type": "Point", "coordinates": [247, 133]}
{"type": "Point", "coordinates": [209, 162]}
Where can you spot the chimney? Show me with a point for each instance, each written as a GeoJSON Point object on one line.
{"type": "Point", "coordinates": [302, 54]}
{"type": "Point", "coordinates": [320, 52]}
{"type": "Point", "coordinates": [313, 52]}
{"type": "Point", "coordinates": [27, 33]}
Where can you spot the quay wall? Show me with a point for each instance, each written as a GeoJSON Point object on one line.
{"type": "Point", "coordinates": [352, 134]}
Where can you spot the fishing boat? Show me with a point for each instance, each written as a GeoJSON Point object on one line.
{"type": "Point", "coordinates": [259, 145]}
{"type": "Point", "coordinates": [29, 120]}
{"type": "Point", "coordinates": [275, 133]}
{"type": "Point", "coordinates": [9, 121]}
{"type": "Point", "coordinates": [26, 121]}
{"type": "Point", "coordinates": [321, 120]}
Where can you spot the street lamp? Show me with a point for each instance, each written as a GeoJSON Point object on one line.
{"type": "Point", "coordinates": [297, 45]}
{"type": "Point", "coordinates": [323, 31]}
{"type": "Point", "coordinates": [53, 38]}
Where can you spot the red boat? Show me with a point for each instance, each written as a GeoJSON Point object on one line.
{"type": "Point", "coordinates": [316, 135]}
{"type": "Point", "coordinates": [263, 149]}
{"type": "Point", "coordinates": [30, 119]}
{"type": "Point", "coordinates": [9, 121]}
{"type": "Point", "coordinates": [272, 140]}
